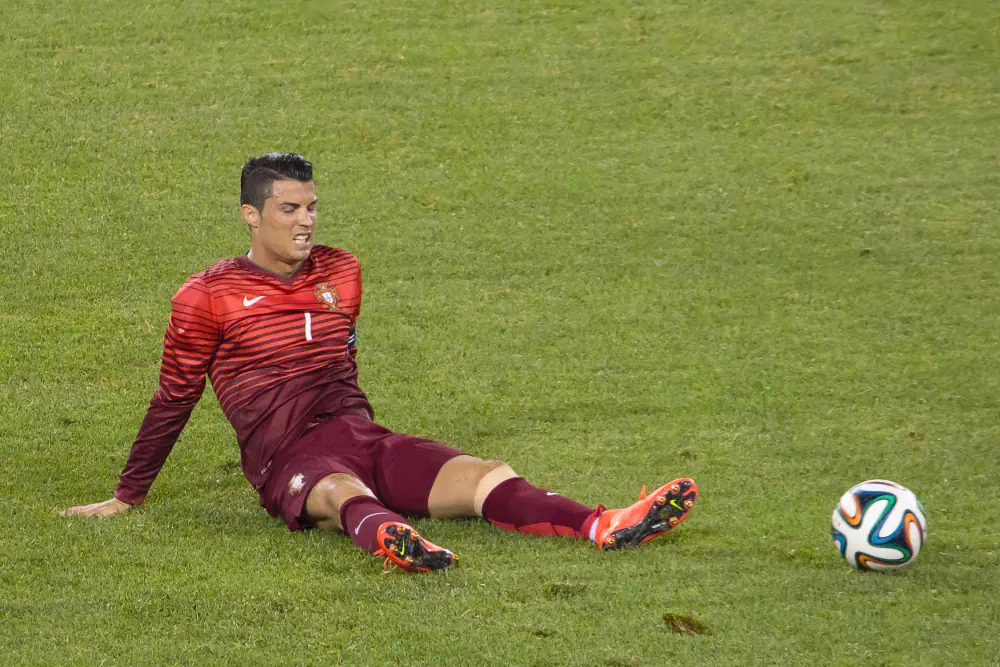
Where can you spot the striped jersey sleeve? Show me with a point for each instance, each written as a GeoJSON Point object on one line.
{"type": "Point", "coordinates": [192, 338]}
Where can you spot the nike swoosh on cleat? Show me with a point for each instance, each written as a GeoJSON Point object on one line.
{"type": "Point", "coordinates": [549, 493]}
{"type": "Point", "coordinates": [249, 302]}
{"type": "Point", "coordinates": [674, 503]}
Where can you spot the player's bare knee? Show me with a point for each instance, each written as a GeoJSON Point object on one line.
{"type": "Point", "coordinates": [322, 493]}
{"type": "Point", "coordinates": [486, 468]}
{"type": "Point", "coordinates": [487, 465]}
{"type": "Point", "coordinates": [329, 493]}
{"type": "Point", "coordinates": [494, 473]}
{"type": "Point", "coordinates": [454, 491]}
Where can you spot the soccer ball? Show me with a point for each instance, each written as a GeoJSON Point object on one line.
{"type": "Point", "coordinates": [879, 525]}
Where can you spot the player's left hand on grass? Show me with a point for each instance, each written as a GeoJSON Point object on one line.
{"type": "Point", "coordinates": [104, 509]}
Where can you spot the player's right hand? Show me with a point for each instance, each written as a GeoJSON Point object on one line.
{"type": "Point", "coordinates": [107, 508]}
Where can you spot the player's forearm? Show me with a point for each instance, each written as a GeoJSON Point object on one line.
{"type": "Point", "coordinates": [159, 431]}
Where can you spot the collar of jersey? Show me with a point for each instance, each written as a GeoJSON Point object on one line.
{"type": "Point", "coordinates": [261, 271]}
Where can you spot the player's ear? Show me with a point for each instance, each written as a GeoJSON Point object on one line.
{"type": "Point", "coordinates": [251, 215]}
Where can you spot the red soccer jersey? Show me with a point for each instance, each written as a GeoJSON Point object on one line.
{"type": "Point", "coordinates": [278, 351]}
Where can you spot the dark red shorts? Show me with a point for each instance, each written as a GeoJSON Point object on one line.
{"type": "Point", "coordinates": [400, 469]}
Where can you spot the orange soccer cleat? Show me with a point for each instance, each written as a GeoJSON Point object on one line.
{"type": "Point", "coordinates": [404, 547]}
{"type": "Point", "coordinates": [648, 517]}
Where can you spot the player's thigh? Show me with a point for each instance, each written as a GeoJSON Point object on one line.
{"type": "Point", "coordinates": [322, 453]}
{"type": "Point", "coordinates": [329, 494]}
{"type": "Point", "coordinates": [462, 484]}
{"type": "Point", "coordinates": [405, 470]}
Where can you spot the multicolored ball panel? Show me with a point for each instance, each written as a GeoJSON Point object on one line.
{"type": "Point", "coordinates": [879, 525]}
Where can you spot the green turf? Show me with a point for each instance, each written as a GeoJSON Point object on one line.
{"type": "Point", "coordinates": [609, 243]}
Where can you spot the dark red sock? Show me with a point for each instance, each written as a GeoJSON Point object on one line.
{"type": "Point", "coordinates": [361, 516]}
{"type": "Point", "coordinates": [517, 505]}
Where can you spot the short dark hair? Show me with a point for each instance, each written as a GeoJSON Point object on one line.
{"type": "Point", "coordinates": [260, 172]}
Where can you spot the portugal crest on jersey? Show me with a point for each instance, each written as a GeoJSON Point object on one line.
{"type": "Point", "coordinates": [327, 295]}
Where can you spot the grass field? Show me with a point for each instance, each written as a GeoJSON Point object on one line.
{"type": "Point", "coordinates": [609, 243]}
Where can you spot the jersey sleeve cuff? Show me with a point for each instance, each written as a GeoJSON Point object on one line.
{"type": "Point", "coordinates": [129, 496]}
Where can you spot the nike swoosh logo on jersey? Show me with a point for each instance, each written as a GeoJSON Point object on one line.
{"type": "Point", "coordinates": [549, 493]}
{"type": "Point", "coordinates": [249, 302]}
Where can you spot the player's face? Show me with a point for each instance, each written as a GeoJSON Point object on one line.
{"type": "Point", "coordinates": [283, 235]}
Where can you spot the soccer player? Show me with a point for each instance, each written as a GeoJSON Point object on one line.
{"type": "Point", "coordinates": [274, 331]}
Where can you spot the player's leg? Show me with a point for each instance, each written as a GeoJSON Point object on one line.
{"type": "Point", "coordinates": [313, 487]}
{"type": "Point", "coordinates": [369, 519]}
{"type": "Point", "coordinates": [328, 497]}
{"type": "Point", "coordinates": [468, 486]}
{"type": "Point", "coordinates": [326, 479]}
{"type": "Point", "coordinates": [461, 486]}
{"type": "Point", "coordinates": [342, 502]}
{"type": "Point", "coordinates": [424, 477]}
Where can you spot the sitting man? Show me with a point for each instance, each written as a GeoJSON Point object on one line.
{"type": "Point", "coordinates": [274, 330]}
